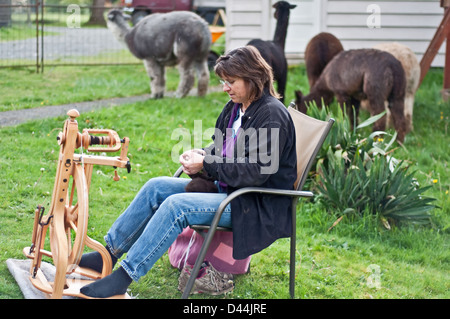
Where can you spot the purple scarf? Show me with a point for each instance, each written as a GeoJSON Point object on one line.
{"type": "Point", "coordinates": [228, 143]}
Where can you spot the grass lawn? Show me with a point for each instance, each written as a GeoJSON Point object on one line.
{"type": "Point", "coordinates": [356, 259]}
{"type": "Point", "coordinates": [23, 88]}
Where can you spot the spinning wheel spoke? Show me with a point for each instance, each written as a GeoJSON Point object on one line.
{"type": "Point", "coordinates": [70, 202]}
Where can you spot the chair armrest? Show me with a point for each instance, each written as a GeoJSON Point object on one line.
{"type": "Point", "coordinates": [178, 172]}
{"type": "Point", "coordinates": [273, 191]}
{"type": "Point", "coordinates": [245, 190]}
{"type": "Point", "coordinates": [263, 190]}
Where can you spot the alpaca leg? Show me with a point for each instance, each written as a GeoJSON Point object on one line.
{"type": "Point", "coordinates": [377, 106]}
{"type": "Point", "coordinates": [409, 106]}
{"type": "Point", "coordinates": [376, 93]}
{"type": "Point", "coordinates": [389, 122]}
{"type": "Point", "coordinates": [203, 77]}
{"type": "Point", "coordinates": [398, 116]}
{"type": "Point", "coordinates": [156, 74]}
{"type": "Point", "coordinates": [186, 79]}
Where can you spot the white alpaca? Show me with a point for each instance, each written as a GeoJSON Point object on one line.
{"type": "Point", "coordinates": [165, 39]}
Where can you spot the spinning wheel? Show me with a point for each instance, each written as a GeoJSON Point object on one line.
{"type": "Point", "coordinates": [69, 209]}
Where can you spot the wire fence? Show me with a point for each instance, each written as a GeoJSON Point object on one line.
{"type": "Point", "coordinates": [42, 35]}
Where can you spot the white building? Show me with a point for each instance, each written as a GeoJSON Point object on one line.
{"type": "Point", "coordinates": [357, 23]}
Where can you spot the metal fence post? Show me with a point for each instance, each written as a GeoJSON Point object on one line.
{"type": "Point", "coordinates": [42, 36]}
{"type": "Point", "coordinates": [37, 36]}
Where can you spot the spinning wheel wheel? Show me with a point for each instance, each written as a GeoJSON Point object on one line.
{"type": "Point", "coordinates": [75, 220]}
{"type": "Point", "coordinates": [69, 209]}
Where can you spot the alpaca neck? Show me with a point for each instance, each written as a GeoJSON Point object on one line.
{"type": "Point", "coordinates": [317, 95]}
{"type": "Point", "coordinates": [281, 29]}
{"type": "Point", "coordinates": [119, 29]}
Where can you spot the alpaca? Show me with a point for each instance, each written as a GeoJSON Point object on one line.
{"type": "Point", "coordinates": [319, 51]}
{"type": "Point", "coordinates": [273, 51]}
{"type": "Point", "coordinates": [167, 39]}
{"type": "Point", "coordinates": [411, 67]}
{"type": "Point", "coordinates": [201, 182]}
{"type": "Point", "coordinates": [362, 74]}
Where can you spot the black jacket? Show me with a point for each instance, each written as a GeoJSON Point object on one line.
{"type": "Point", "coordinates": [267, 158]}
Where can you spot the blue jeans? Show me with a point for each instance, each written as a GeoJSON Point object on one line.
{"type": "Point", "coordinates": [157, 215]}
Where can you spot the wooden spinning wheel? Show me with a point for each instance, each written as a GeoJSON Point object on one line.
{"type": "Point", "coordinates": [67, 219]}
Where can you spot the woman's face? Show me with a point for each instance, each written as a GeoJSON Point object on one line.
{"type": "Point", "coordinates": [237, 89]}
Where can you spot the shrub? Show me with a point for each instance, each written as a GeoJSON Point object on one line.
{"type": "Point", "coordinates": [359, 174]}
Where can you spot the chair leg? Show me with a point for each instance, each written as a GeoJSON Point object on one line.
{"type": "Point", "coordinates": [195, 270]}
{"type": "Point", "coordinates": [292, 269]}
{"type": "Point", "coordinates": [293, 249]}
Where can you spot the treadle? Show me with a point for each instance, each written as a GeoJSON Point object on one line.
{"type": "Point", "coordinates": [87, 273]}
{"type": "Point", "coordinates": [26, 252]}
{"type": "Point", "coordinates": [79, 270]}
{"type": "Point", "coordinates": [73, 289]}
{"type": "Point", "coordinates": [76, 284]}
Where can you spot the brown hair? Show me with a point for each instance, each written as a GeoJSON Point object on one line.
{"type": "Point", "coordinates": [248, 64]}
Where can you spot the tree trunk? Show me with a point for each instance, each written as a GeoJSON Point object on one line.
{"type": "Point", "coordinates": [97, 17]}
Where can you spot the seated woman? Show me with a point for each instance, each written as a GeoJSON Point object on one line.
{"type": "Point", "coordinates": [254, 145]}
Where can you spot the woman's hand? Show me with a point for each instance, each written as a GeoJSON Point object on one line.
{"type": "Point", "coordinates": [192, 161]}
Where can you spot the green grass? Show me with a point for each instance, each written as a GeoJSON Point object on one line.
{"type": "Point", "coordinates": [61, 85]}
{"type": "Point", "coordinates": [23, 88]}
{"type": "Point", "coordinates": [408, 262]}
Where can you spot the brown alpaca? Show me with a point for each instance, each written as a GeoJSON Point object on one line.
{"type": "Point", "coordinates": [319, 51]}
{"type": "Point", "coordinates": [411, 67]}
{"type": "Point", "coordinates": [363, 74]}
{"type": "Point", "coordinates": [201, 183]}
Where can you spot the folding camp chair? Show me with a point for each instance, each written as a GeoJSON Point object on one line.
{"type": "Point", "coordinates": [310, 135]}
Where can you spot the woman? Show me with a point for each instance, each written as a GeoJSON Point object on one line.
{"type": "Point", "coordinates": [254, 145]}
